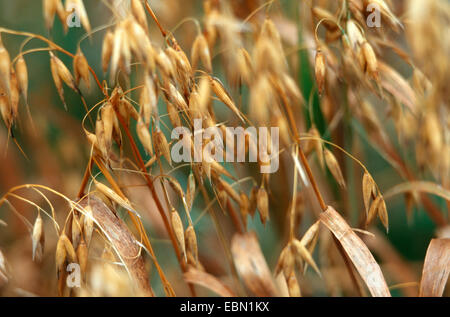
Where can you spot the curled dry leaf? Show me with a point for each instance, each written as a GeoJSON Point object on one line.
{"type": "Point", "coordinates": [251, 264]}
{"type": "Point", "coordinates": [435, 269]}
{"type": "Point", "coordinates": [122, 240]}
{"type": "Point", "coordinates": [208, 281]}
{"type": "Point", "coordinates": [357, 251]}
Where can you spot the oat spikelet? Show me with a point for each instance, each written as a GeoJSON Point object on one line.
{"type": "Point", "coordinates": [138, 12]}
{"type": "Point", "coordinates": [76, 231]}
{"type": "Point", "coordinates": [107, 50]}
{"type": "Point", "coordinates": [57, 78]}
{"type": "Point", "coordinates": [60, 256]}
{"type": "Point", "coordinates": [64, 73]}
{"type": "Point", "coordinates": [383, 214]}
{"type": "Point", "coordinates": [177, 227]}
{"type": "Point", "coordinates": [5, 68]}
{"type": "Point", "coordinates": [333, 165]}
{"type": "Point", "coordinates": [15, 95]}
{"type": "Point", "coordinates": [49, 7]}
{"type": "Point", "coordinates": [320, 71]}
{"type": "Point", "coordinates": [371, 59]}
{"type": "Point", "coordinates": [108, 115]}
{"type": "Point", "coordinates": [244, 206]}
{"type": "Point", "coordinates": [144, 136]}
{"type": "Point", "coordinates": [221, 93]}
{"type": "Point", "coordinates": [373, 210]}
{"type": "Point", "coordinates": [262, 202]}
{"type": "Point", "coordinates": [173, 115]}
{"type": "Point", "coordinates": [369, 190]}
{"type": "Point", "coordinates": [81, 68]}
{"type": "Point", "coordinates": [111, 194]}
{"type": "Point", "coordinates": [162, 146]}
{"type": "Point", "coordinates": [191, 246]}
{"type": "Point", "coordinates": [38, 239]}
{"type": "Point", "coordinates": [88, 224]}
{"type": "Point", "coordinates": [293, 286]}
{"type": "Point", "coordinates": [200, 51]}
{"type": "Point", "coordinates": [22, 77]}
{"type": "Point", "coordinates": [82, 255]}
{"type": "Point", "coordinates": [301, 251]}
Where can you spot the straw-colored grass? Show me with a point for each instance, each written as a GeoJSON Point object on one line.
{"type": "Point", "coordinates": [387, 87]}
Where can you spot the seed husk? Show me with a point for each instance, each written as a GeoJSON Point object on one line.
{"type": "Point", "coordinates": [191, 246]}
{"type": "Point", "coordinates": [38, 239]}
{"type": "Point", "coordinates": [371, 59]}
{"type": "Point", "coordinates": [320, 71]}
{"type": "Point", "coordinates": [177, 226]}
{"type": "Point", "coordinates": [138, 12]}
{"type": "Point", "coordinates": [262, 202]}
{"type": "Point", "coordinates": [88, 224]}
{"type": "Point", "coordinates": [161, 145]}
{"type": "Point", "coordinates": [190, 190]}
{"type": "Point", "coordinates": [108, 41]}
{"type": "Point", "coordinates": [369, 190]}
{"type": "Point", "coordinates": [333, 165]}
{"type": "Point", "coordinates": [76, 230]}
{"type": "Point", "coordinates": [15, 95]}
{"type": "Point", "coordinates": [200, 51]}
{"type": "Point", "coordinates": [5, 69]}
{"type": "Point", "coordinates": [22, 77]}
{"type": "Point", "coordinates": [221, 93]}
{"type": "Point", "coordinates": [81, 68]}
{"type": "Point", "coordinates": [144, 136]}
{"type": "Point", "coordinates": [82, 255]}
{"type": "Point", "coordinates": [60, 257]}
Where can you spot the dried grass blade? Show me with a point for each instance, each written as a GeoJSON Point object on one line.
{"type": "Point", "coordinates": [208, 281]}
{"type": "Point", "coordinates": [357, 251]}
{"type": "Point", "coordinates": [435, 269]}
{"type": "Point", "coordinates": [252, 265]}
{"type": "Point", "coordinates": [123, 241]}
